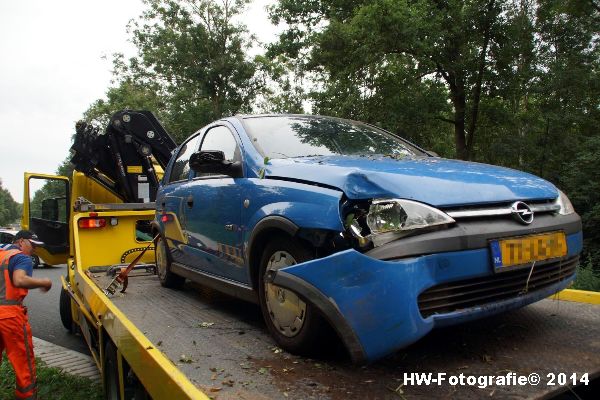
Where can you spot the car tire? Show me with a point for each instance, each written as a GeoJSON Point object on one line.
{"type": "Point", "coordinates": [110, 376]}
{"type": "Point", "coordinates": [66, 317]}
{"type": "Point", "coordinates": [163, 266]}
{"type": "Point", "coordinates": [293, 322]}
{"type": "Point", "coordinates": [35, 260]}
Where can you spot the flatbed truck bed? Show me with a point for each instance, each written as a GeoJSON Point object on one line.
{"type": "Point", "coordinates": [222, 346]}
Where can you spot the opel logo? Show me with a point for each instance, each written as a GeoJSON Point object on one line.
{"type": "Point", "coordinates": [521, 212]}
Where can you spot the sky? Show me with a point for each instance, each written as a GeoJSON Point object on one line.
{"type": "Point", "coordinates": [55, 61]}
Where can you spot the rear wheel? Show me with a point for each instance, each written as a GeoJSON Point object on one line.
{"type": "Point", "coordinates": [163, 266]}
{"type": "Point", "coordinates": [35, 260]}
{"type": "Point", "coordinates": [294, 323]}
{"type": "Point", "coordinates": [65, 310]}
{"type": "Point", "coordinates": [110, 376]}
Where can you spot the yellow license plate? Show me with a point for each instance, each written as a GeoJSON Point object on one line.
{"type": "Point", "coordinates": [527, 249]}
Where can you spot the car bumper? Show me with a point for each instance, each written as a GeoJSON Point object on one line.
{"type": "Point", "coordinates": [373, 304]}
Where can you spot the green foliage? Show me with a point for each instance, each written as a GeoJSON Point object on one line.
{"type": "Point", "coordinates": [53, 384]}
{"type": "Point", "coordinates": [10, 210]}
{"type": "Point", "coordinates": [587, 277]}
{"type": "Point", "coordinates": [581, 180]}
{"type": "Point", "coordinates": [192, 66]}
{"type": "Point", "coordinates": [407, 64]}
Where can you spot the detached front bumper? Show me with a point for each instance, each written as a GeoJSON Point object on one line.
{"type": "Point", "coordinates": [374, 304]}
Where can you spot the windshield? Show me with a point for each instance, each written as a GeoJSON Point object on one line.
{"type": "Point", "coordinates": [306, 136]}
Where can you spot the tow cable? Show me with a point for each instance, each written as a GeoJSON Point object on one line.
{"type": "Point", "coordinates": [122, 278]}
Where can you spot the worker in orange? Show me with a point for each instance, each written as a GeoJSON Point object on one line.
{"type": "Point", "coordinates": [16, 270]}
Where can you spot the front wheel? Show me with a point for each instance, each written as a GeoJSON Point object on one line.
{"type": "Point", "coordinates": [294, 323]}
{"type": "Point", "coordinates": [163, 266]}
{"type": "Point", "coordinates": [66, 317]}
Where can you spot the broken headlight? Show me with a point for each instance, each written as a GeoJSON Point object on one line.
{"type": "Point", "coordinates": [390, 219]}
{"type": "Point", "coordinates": [391, 215]}
{"type": "Point", "coordinates": [384, 220]}
{"type": "Point", "coordinates": [563, 201]}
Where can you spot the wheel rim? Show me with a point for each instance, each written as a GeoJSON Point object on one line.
{"type": "Point", "coordinates": [161, 259]}
{"type": "Point", "coordinates": [286, 310]}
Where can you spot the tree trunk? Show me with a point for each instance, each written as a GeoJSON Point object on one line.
{"type": "Point", "coordinates": [459, 101]}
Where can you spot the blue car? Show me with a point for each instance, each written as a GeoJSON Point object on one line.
{"type": "Point", "coordinates": [331, 223]}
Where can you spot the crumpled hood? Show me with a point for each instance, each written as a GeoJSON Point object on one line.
{"type": "Point", "coordinates": [436, 181]}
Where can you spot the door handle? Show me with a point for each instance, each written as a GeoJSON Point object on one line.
{"type": "Point", "coordinates": [190, 201]}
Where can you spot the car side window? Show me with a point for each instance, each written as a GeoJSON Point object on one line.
{"type": "Point", "coordinates": [220, 138]}
{"type": "Point", "coordinates": [181, 166]}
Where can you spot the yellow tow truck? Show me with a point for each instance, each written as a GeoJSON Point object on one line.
{"type": "Point", "coordinates": [194, 343]}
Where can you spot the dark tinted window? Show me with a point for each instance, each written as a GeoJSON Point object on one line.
{"type": "Point", "coordinates": [181, 167]}
{"type": "Point", "coordinates": [304, 136]}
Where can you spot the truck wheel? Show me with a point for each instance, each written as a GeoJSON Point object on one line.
{"type": "Point", "coordinates": [110, 372]}
{"type": "Point", "coordinates": [163, 266]}
{"type": "Point", "coordinates": [65, 310]}
{"type": "Point", "coordinates": [294, 323]}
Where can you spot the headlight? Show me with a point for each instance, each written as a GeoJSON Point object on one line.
{"type": "Point", "coordinates": [565, 204]}
{"type": "Point", "coordinates": [398, 215]}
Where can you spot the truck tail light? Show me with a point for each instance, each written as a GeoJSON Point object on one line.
{"type": "Point", "coordinates": [90, 223]}
{"type": "Point", "coordinates": [166, 218]}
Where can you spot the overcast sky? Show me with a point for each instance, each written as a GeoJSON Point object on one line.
{"type": "Point", "coordinates": [52, 69]}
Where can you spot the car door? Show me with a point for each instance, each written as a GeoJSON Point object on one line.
{"type": "Point", "coordinates": [213, 216]}
{"type": "Point", "coordinates": [172, 199]}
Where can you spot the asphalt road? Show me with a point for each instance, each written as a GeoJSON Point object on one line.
{"type": "Point", "coordinates": [43, 312]}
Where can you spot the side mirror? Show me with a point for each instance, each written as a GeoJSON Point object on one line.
{"type": "Point", "coordinates": [213, 162]}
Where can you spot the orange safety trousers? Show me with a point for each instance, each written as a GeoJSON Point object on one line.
{"type": "Point", "coordinates": [15, 338]}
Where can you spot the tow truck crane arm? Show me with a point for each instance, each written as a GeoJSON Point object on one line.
{"type": "Point", "coordinates": [122, 158]}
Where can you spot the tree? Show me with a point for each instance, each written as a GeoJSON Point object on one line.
{"type": "Point", "coordinates": [191, 67]}
{"type": "Point", "coordinates": [10, 210]}
{"type": "Point", "coordinates": [370, 46]}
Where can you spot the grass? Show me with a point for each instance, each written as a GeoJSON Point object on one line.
{"type": "Point", "coordinates": [587, 278]}
{"type": "Point", "coordinates": [53, 384]}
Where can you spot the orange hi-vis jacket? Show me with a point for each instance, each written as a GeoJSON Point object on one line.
{"type": "Point", "coordinates": [9, 295]}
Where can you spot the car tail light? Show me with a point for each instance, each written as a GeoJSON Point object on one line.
{"type": "Point", "coordinates": [90, 223]}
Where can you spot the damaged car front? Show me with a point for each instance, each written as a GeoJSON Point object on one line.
{"type": "Point", "coordinates": [330, 222]}
{"type": "Point", "coordinates": [426, 241]}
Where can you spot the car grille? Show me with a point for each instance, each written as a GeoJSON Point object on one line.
{"type": "Point", "coordinates": [454, 296]}
{"type": "Point", "coordinates": [500, 210]}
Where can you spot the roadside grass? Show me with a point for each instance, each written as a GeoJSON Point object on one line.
{"type": "Point", "coordinates": [53, 384]}
{"type": "Point", "coordinates": [587, 278]}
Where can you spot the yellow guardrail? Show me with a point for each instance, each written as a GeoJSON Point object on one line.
{"type": "Point", "coordinates": [579, 296]}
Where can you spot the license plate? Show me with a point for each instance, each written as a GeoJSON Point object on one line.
{"type": "Point", "coordinates": [527, 249]}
